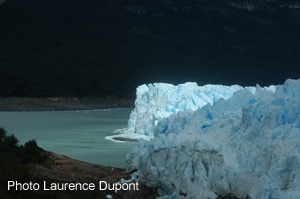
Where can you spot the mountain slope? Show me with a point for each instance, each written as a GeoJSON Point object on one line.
{"type": "Point", "coordinates": [104, 48]}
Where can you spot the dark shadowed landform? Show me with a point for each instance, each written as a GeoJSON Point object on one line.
{"type": "Point", "coordinates": [60, 104]}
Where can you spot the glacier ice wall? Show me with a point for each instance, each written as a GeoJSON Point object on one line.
{"type": "Point", "coordinates": [248, 145]}
{"type": "Point", "coordinates": [159, 100]}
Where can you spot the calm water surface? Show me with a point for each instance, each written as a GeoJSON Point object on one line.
{"type": "Point", "coordinates": [77, 134]}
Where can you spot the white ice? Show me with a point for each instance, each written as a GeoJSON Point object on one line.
{"type": "Point", "coordinates": [220, 140]}
{"type": "Point", "coordinates": [159, 100]}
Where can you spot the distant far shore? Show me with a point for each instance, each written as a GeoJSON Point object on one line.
{"type": "Point", "coordinates": [62, 104]}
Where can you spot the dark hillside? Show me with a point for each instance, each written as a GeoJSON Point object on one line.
{"type": "Point", "coordinates": [107, 48]}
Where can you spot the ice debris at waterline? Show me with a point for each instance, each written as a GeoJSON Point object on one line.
{"type": "Point", "coordinates": [247, 145]}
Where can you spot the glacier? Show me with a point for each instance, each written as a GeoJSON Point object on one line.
{"type": "Point", "coordinates": [213, 140]}
{"type": "Point", "coordinates": [159, 100]}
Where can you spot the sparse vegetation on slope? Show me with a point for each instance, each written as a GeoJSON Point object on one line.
{"type": "Point", "coordinates": [16, 163]}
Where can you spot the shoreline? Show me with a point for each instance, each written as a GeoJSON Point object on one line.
{"type": "Point", "coordinates": [59, 168]}
{"type": "Point", "coordinates": [62, 104]}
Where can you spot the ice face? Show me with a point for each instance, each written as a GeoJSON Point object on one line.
{"type": "Point", "coordinates": [247, 144]}
{"type": "Point", "coordinates": [159, 100]}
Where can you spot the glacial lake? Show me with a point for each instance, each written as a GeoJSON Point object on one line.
{"type": "Point", "coordinates": [77, 134]}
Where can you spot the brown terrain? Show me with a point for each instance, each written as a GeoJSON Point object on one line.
{"type": "Point", "coordinates": [58, 104]}
{"type": "Point", "coordinates": [64, 169]}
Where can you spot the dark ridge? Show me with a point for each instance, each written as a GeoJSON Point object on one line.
{"type": "Point", "coordinates": [108, 48]}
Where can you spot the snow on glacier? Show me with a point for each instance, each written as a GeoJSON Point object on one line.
{"type": "Point", "coordinates": [247, 144]}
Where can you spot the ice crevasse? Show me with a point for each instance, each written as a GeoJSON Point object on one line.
{"type": "Point", "coordinates": [212, 141]}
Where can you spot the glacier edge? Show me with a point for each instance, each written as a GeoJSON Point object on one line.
{"type": "Point", "coordinates": [247, 144]}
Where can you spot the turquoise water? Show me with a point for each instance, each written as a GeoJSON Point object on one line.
{"type": "Point", "coordinates": [77, 134]}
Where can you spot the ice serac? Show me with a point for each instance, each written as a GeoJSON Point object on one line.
{"type": "Point", "coordinates": [247, 145]}
{"type": "Point", "coordinates": [159, 100]}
